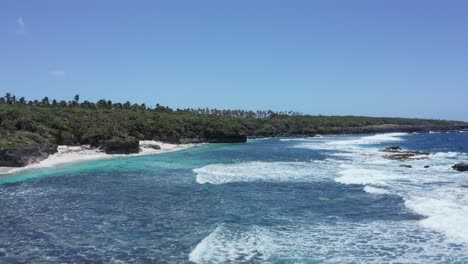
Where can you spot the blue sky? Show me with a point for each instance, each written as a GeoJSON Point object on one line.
{"type": "Point", "coordinates": [376, 58]}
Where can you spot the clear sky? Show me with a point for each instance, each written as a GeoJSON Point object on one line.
{"type": "Point", "coordinates": [378, 58]}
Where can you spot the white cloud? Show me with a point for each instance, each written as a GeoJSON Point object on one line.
{"type": "Point", "coordinates": [20, 26]}
{"type": "Point", "coordinates": [57, 73]}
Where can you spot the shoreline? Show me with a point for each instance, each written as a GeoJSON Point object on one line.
{"type": "Point", "coordinates": [295, 136]}
{"type": "Point", "coordinates": [84, 153]}
{"type": "Point", "coordinates": [434, 131]}
{"type": "Point", "coordinates": [68, 155]}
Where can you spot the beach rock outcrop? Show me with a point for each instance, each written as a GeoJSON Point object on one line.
{"type": "Point", "coordinates": [150, 145]}
{"type": "Point", "coordinates": [154, 146]}
{"type": "Point", "coordinates": [460, 167]}
{"type": "Point", "coordinates": [19, 157]}
{"type": "Point", "coordinates": [408, 155]}
{"type": "Point", "coordinates": [120, 146]}
{"type": "Point", "coordinates": [406, 166]}
{"type": "Point", "coordinates": [401, 155]}
{"type": "Point", "coordinates": [392, 149]}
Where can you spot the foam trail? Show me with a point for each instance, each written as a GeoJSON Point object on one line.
{"type": "Point", "coordinates": [295, 139]}
{"type": "Point", "coordinates": [349, 144]}
{"type": "Point", "coordinates": [261, 171]}
{"type": "Point", "coordinates": [224, 245]}
{"type": "Point", "coordinates": [432, 192]}
{"type": "Point", "coordinates": [444, 204]}
{"type": "Point", "coordinates": [342, 242]}
{"type": "Point", "coordinates": [375, 190]}
{"type": "Point", "coordinates": [366, 176]}
{"type": "Point", "coordinates": [446, 211]}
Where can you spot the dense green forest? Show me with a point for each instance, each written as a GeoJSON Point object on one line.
{"type": "Point", "coordinates": [71, 122]}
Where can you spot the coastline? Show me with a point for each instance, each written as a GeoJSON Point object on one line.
{"type": "Point", "coordinates": [84, 153]}
{"type": "Point", "coordinates": [77, 154]}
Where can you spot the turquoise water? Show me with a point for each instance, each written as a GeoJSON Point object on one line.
{"type": "Point", "coordinates": [311, 200]}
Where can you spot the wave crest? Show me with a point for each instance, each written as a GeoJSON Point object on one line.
{"type": "Point", "coordinates": [261, 171]}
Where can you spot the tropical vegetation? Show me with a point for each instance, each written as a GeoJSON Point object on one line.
{"type": "Point", "coordinates": [24, 122]}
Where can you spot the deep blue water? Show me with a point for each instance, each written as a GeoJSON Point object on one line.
{"type": "Point", "coordinates": [316, 200]}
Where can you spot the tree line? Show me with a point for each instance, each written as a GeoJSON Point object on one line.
{"type": "Point", "coordinates": [108, 104]}
{"type": "Point", "coordinates": [24, 123]}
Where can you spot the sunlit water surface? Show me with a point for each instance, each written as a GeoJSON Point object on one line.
{"type": "Point", "coordinates": [311, 200]}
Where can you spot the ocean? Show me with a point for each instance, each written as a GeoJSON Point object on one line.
{"type": "Point", "coordinates": [332, 199]}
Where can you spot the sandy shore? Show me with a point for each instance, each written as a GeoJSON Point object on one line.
{"type": "Point", "coordinates": [76, 154]}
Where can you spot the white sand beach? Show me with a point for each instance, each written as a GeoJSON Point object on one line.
{"type": "Point", "coordinates": [76, 154]}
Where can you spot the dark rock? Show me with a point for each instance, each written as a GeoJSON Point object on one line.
{"type": "Point", "coordinates": [419, 152]}
{"type": "Point", "coordinates": [399, 154]}
{"type": "Point", "coordinates": [427, 166]}
{"type": "Point", "coordinates": [392, 149]}
{"type": "Point", "coordinates": [93, 142]}
{"type": "Point", "coordinates": [150, 145]}
{"type": "Point", "coordinates": [406, 166]}
{"type": "Point", "coordinates": [460, 167]}
{"type": "Point", "coordinates": [19, 157]}
{"type": "Point", "coordinates": [228, 139]}
{"type": "Point", "coordinates": [154, 146]}
{"type": "Point", "coordinates": [464, 186]}
{"type": "Point", "coordinates": [407, 155]}
{"type": "Point", "coordinates": [120, 146]}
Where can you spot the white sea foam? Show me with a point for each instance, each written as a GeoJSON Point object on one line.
{"type": "Point", "coordinates": [375, 190]}
{"type": "Point", "coordinates": [374, 139]}
{"type": "Point", "coordinates": [446, 210]}
{"type": "Point", "coordinates": [295, 139]}
{"type": "Point", "coordinates": [372, 242]}
{"type": "Point", "coordinates": [349, 143]}
{"type": "Point", "coordinates": [446, 155]}
{"type": "Point", "coordinates": [224, 245]}
{"type": "Point", "coordinates": [433, 192]}
{"type": "Point", "coordinates": [366, 176]}
{"type": "Point", "coordinates": [261, 171]}
{"type": "Point", "coordinates": [302, 139]}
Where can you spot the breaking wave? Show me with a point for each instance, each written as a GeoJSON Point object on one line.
{"type": "Point", "coordinates": [261, 171]}
{"type": "Point", "coordinates": [374, 242]}
{"type": "Point", "coordinates": [433, 192]}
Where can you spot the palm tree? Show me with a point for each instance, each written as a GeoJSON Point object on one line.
{"type": "Point", "coordinates": [45, 101]}
{"type": "Point", "coordinates": [8, 98]}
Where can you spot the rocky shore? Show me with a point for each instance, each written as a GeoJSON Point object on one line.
{"type": "Point", "coordinates": [37, 157]}
{"type": "Point", "coordinates": [11, 158]}
{"type": "Point", "coordinates": [27, 155]}
{"type": "Point", "coordinates": [460, 167]}
{"type": "Point", "coordinates": [397, 153]}
{"type": "Point", "coordinates": [404, 155]}
{"type": "Point", "coordinates": [19, 157]}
